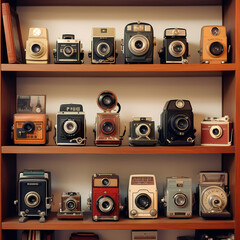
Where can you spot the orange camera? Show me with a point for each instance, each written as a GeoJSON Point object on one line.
{"type": "Point", "coordinates": [214, 47]}
{"type": "Point", "coordinates": [31, 129]}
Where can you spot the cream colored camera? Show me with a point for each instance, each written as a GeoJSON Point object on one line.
{"type": "Point", "coordinates": [37, 46]}
{"type": "Point", "coordinates": [142, 196]}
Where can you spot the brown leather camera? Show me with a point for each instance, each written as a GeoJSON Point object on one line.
{"type": "Point", "coordinates": [213, 45]}
{"type": "Point", "coordinates": [31, 128]}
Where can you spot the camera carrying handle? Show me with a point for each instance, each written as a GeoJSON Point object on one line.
{"type": "Point", "coordinates": [119, 107]}
{"type": "Point", "coordinates": [68, 36]}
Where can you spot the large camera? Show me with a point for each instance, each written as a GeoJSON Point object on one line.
{"type": "Point", "coordinates": [37, 46]}
{"type": "Point", "coordinates": [216, 131]}
{"type": "Point", "coordinates": [103, 47]}
{"type": "Point", "coordinates": [178, 197]}
{"type": "Point", "coordinates": [34, 194]}
{"type": "Point", "coordinates": [68, 50]}
{"type": "Point", "coordinates": [142, 196]}
{"type": "Point", "coordinates": [213, 44]}
{"type": "Point", "coordinates": [105, 197]}
{"type": "Point", "coordinates": [31, 128]}
{"type": "Point", "coordinates": [142, 132]}
{"type": "Point", "coordinates": [70, 206]}
{"type": "Point", "coordinates": [71, 125]}
{"type": "Point", "coordinates": [107, 126]}
{"type": "Point", "coordinates": [175, 46]}
{"type": "Point", "coordinates": [177, 123]}
{"type": "Point", "coordinates": [213, 195]}
{"type": "Point", "coordinates": [138, 43]}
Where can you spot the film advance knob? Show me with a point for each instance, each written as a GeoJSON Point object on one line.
{"type": "Point", "coordinates": [153, 212]}
{"type": "Point", "coordinates": [133, 212]}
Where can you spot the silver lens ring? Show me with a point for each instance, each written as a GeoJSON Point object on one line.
{"type": "Point", "coordinates": [171, 47]}
{"type": "Point", "coordinates": [68, 51]}
{"type": "Point", "coordinates": [100, 52]}
{"type": "Point", "coordinates": [215, 201]}
{"type": "Point", "coordinates": [70, 204]}
{"type": "Point", "coordinates": [70, 126]}
{"type": "Point", "coordinates": [180, 199]}
{"type": "Point", "coordinates": [142, 40]}
{"type": "Point", "coordinates": [105, 204]}
{"type": "Point", "coordinates": [182, 124]}
{"type": "Point", "coordinates": [142, 130]}
{"type": "Point", "coordinates": [216, 132]}
{"type": "Point", "coordinates": [32, 199]}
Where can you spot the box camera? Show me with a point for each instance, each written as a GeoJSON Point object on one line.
{"type": "Point", "coordinates": [138, 43]}
{"type": "Point", "coordinates": [68, 50]}
{"type": "Point", "coordinates": [178, 197]}
{"type": "Point", "coordinates": [216, 131]}
{"type": "Point", "coordinates": [103, 46]}
{"type": "Point", "coordinates": [142, 132]}
{"type": "Point", "coordinates": [105, 197]}
{"type": "Point", "coordinates": [107, 126]}
{"type": "Point", "coordinates": [142, 196]}
{"type": "Point", "coordinates": [213, 45]}
{"type": "Point", "coordinates": [70, 206]}
{"type": "Point", "coordinates": [37, 46]}
{"type": "Point", "coordinates": [213, 195]}
{"type": "Point", "coordinates": [71, 125]}
{"type": "Point", "coordinates": [177, 124]}
{"type": "Point", "coordinates": [34, 194]}
{"type": "Point", "coordinates": [175, 46]}
{"type": "Point", "coordinates": [31, 128]}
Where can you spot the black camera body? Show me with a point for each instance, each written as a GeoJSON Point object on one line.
{"type": "Point", "coordinates": [68, 50]}
{"type": "Point", "coordinates": [142, 132]}
{"type": "Point", "coordinates": [138, 43]}
{"type": "Point", "coordinates": [175, 46]}
{"type": "Point", "coordinates": [71, 125]}
{"type": "Point", "coordinates": [34, 194]}
{"type": "Point", "coordinates": [177, 124]}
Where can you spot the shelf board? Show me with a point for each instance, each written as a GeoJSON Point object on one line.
{"type": "Point", "coordinates": [52, 223]}
{"type": "Point", "coordinates": [116, 150]}
{"type": "Point", "coordinates": [118, 70]}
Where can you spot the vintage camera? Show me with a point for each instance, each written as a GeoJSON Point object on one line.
{"type": "Point", "coordinates": [71, 125]}
{"type": "Point", "coordinates": [68, 50]}
{"type": "Point", "coordinates": [142, 132]}
{"type": "Point", "coordinates": [177, 124]}
{"type": "Point", "coordinates": [107, 126]}
{"type": "Point", "coordinates": [138, 43]}
{"type": "Point", "coordinates": [103, 46]}
{"type": "Point", "coordinates": [175, 46]}
{"type": "Point", "coordinates": [37, 46]}
{"type": "Point", "coordinates": [213, 195]}
{"type": "Point", "coordinates": [70, 206]}
{"type": "Point", "coordinates": [178, 198]}
{"type": "Point", "coordinates": [216, 131]}
{"type": "Point", "coordinates": [142, 196]}
{"type": "Point", "coordinates": [34, 194]}
{"type": "Point", "coordinates": [31, 128]}
{"type": "Point", "coordinates": [213, 44]}
{"type": "Point", "coordinates": [105, 197]}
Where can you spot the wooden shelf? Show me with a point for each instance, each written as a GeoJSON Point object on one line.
{"type": "Point", "coordinates": [118, 70]}
{"type": "Point", "coordinates": [52, 223]}
{"type": "Point", "coordinates": [115, 150]}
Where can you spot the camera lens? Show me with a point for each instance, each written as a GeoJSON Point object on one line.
{"type": "Point", "coordinates": [105, 182]}
{"type": "Point", "coordinates": [103, 49]}
{"type": "Point", "coordinates": [143, 201]}
{"type": "Point", "coordinates": [107, 100]}
{"type": "Point", "coordinates": [216, 48]}
{"type": "Point", "coordinates": [142, 130]}
{"type": "Point", "coordinates": [105, 204]}
{"type": "Point", "coordinates": [138, 44]}
{"type": "Point", "coordinates": [68, 51]}
{"type": "Point", "coordinates": [71, 204]}
{"type": "Point", "coordinates": [28, 127]}
{"type": "Point", "coordinates": [70, 127]}
{"type": "Point", "coordinates": [182, 124]}
{"type": "Point", "coordinates": [107, 128]}
{"type": "Point", "coordinates": [176, 48]}
{"type": "Point", "coordinates": [216, 132]}
{"type": "Point", "coordinates": [180, 199]}
{"type": "Point", "coordinates": [215, 31]}
{"type": "Point", "coordinates": [32, 199]}
{"type": "Point", "coordinates": [36, 48]}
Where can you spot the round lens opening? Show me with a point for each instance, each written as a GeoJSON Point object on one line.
{"type": "Point", "coordinates": [36, 48]}
{"type": "Point", "coordinates": [28, 127]}
{"type": "Point", "coordinates": [138, 44]}
{"type": "Point", "coordinates": [216, 48]}
{"type": "Point", "coordinates": [143, 201]}
{"type": "Point", "coordinates": [215, 131]}
{"type": "Point", "coordinates": [105, 204]}
{"type": "Point", "coordinates": [70, 205]}
{"type": "Point", "coordinates": [178, 48]}
{"type": "Point", "coordinates": [104, 48]}
{"type": "Point", "coordinates": [143, 129]}
{"type": "Point", "coordinates": [180, 200]}
{"type": "Point", "coordinates": [105, 182]}
{"type": "Point", "coordinates": [182, 124]}
{"type": "Point", "coordinates": [32, 199]}
{"type": "Point", "coordinates": [70, 127]}
{"type": "Point", "coordinates": [107, 100]}
{"type": "Point", "coordinates": [215, 31]}
{"type": "Point", "coordinates": [107, 127]}
{"type": "Point", "coordinates": [68, 50]}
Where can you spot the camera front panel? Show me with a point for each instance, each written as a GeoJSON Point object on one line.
{"type": "Point", "coordinates": [70, 202]}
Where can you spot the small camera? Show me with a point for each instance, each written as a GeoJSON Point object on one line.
{"type": "Point", "coordinates": [37, 49]}
{"type": "Point", "coordinates": [107, 126]}
{"type": "Point", "coordinates": [213, 45]}
{"type": "Point", "coordinates": [175, 46]}
{"type": "Point", "coordinates": [34, 194]}
{"type": "Point", "coordinates": [178, 197]}
{"type": "Point", "coordinates": [213, 195]}
{"type": "Point", "coordinates": [105, 197]}
{"type": "Point", "coordinates": [138, 43]}
{"type": "Point", "coordinates": [71, 125]}
{"type": "Point", "coordinates": [68, 50]}
{"type": "Point", "coordinates": [31, 128]}
{"type": "Point", "coordinates": [142, 132]}
{"type": "Point", "coordinates": [177, 124]}
{"type": "Point", "coordinates": [103, 46]}
{"type": "Point", "coordinates": [142, 196]}
{"type": "Point", "coordinates": [70, 206]}
{"type": "Point", "coordinates": [216, 131]}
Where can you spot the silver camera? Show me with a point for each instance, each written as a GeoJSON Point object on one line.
{"type": "Point", "coordinates": [178, 197]}
{"type": "Point", "coordinates": [213, 195]}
